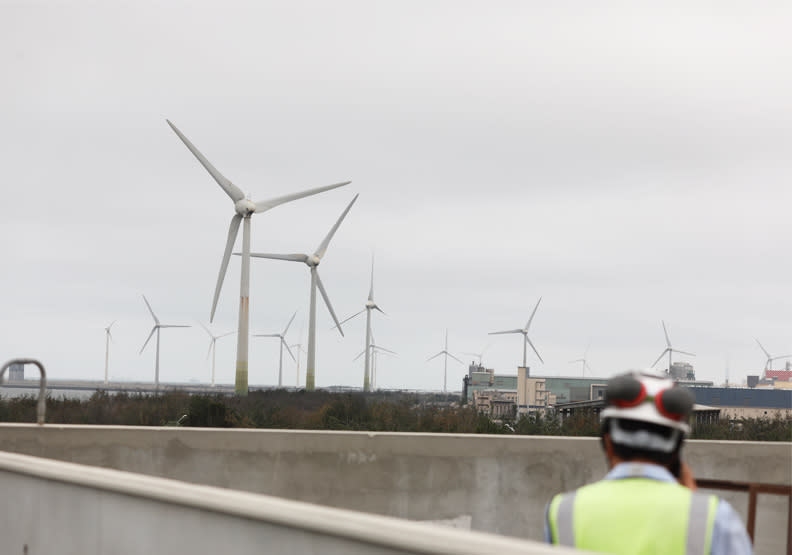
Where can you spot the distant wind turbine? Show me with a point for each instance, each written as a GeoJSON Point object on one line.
{"type": "Point", "coordinates": [108, 338]}
{"type": "Point", "coordinates": [213, 347]}
{"type": "Point", "coordinates": [669, 349]}
{"type": "Point", "coordinates": [312, 261]}
{"type": "Point", "coordinates": [445, 363]}
{"type": "Point", "coordinates": [370, 305]}
{"type": "Point", "coordinates": [157, 327]}
{"type": "Point", "coordinates": [584, 361]}
{"type": "Point", "coordinates": [480, 355]}
{"type": "Point", "coordinates": [526, 340]}
{"type": "Point", "coordinates": [770, 358]}
{"type": "Point", "coordinates": [283, 344]}
{"type": "Point", "coordinates": [299, 349]}
{"type": "Point", "coordinates": [244, 209]}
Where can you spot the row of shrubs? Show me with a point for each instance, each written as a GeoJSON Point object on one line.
{"type": "Point", "coordinates": [322, 410]}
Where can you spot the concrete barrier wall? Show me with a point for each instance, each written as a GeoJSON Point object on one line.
{"type": "Point", "coordinates": [56, 507]}
{"type": "Point", "coordinates": [499, 484]}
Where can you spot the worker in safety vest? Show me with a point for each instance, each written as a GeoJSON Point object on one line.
{"type": "Point", "coordinates": [647, 503]}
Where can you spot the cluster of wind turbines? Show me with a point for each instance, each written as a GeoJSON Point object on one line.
{"type": "Point", "coordinates": [669, 349]}
{"type": "Point", "coordinates": [244, 209]}
{"type": "Point", "coordinates": [156, 330]}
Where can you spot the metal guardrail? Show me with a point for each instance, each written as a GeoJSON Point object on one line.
{"type": "Point", "coordinates": [41, 408]}
{"type": "Point", "coordinates": [754, 489]}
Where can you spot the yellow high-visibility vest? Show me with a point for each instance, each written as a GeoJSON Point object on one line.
{"type": "Point", "coordinates": [634, 516]}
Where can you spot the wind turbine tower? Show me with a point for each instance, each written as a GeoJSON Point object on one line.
{"type": "Point", "coordinates": [312, 261]}
{"type": "Point", "coordinates": [526, 340]}
{"type": "Point", "coordinates": [669, 349]}
{"type": "Point", "coordinates": [283, 343]}
{"type": "Point", "coordinates": [213, 347]}
{"type": "Point", "coordinates": [108, 338]}
{"type": "Point", "coordinates": [445, 362]}
{"type": "Point", "coordinates": [157, 327]}
{"type": "Point", "coordinates": [770, 358]}
{"type": "Point", "coordinates": [370, 305]}
{"type": "Point", "coordinates": [244, 209]}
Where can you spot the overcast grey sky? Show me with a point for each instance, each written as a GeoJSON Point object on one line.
{"type": "Point", "coordinates": [626, 163]}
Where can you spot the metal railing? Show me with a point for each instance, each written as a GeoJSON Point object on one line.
{"type": "Point", "coordinates": [754, 489]}
{"type": "Point", "coordinates": [41, 408]}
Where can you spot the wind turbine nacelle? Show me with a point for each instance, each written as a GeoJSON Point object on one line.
{"type": "Point", "coordinates": [244, 207]}
{"type": "Point", "coordinates": [313, 260]}
{"type": "Point", "coordinates": [370, 305]}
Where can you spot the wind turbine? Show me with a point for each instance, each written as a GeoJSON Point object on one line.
{"type": "Point", "coordinates": [583, 360]}
{"type": "Point", "coordinates": [526, 340]}
{"type": "Point", "coordinates": [312, 261]}
{"type": "Point", "coordinates": [244, 209]}
{"type": "Point", "coordinates": [157, 327]}
{"type": "Point", "coordinates": [479, 356]}
{"type": "Point", "coordinates": [669, 349]}
{"type": "Point", "coordinates": [370, 305]}
{"type": "Point", "coordinates": [108, 338]}
{"type": "Point", "coordinates": [299, 350]}
{"type": "Point", "coordinates": [373, 349]}
{"type": "Point", "coordinates": [445, 363]}
{"type": "Point", "coordinates": [213, 347]}
{"type": "Point", "coordinates": [770, 358]}
{"type": "Point", "coordinates": [282, 344]}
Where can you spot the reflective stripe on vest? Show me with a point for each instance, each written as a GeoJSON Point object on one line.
{"type": "Point", "coordinates": [634, 515]}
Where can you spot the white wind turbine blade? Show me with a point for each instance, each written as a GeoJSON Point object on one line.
{"type": "Point", "coordinates": [502, 332]}
{"type": "Point", "coordinates": [665, 331]}
{"type": "Point", "coordinates": [232, 234]}
{"type": "Point", "coordinates": [327, 302]}
{"type": "Point", "coordinates": [761, 347]}
{"type": "Point", "coordinates": [528, 339]}
{"type": "Point", "coordinates": [225, 334]}
{"type": "Point", "coordinates": [174, 326]}
{"type": "Point", "coordinates": [209, 352]}
{"type": "Point", "coordinates": [156, 320]}
{"type": "Point", "coordinates": [148, 339]}
{"type": "Point", "coordinates": [264, 205]}
{"type": "Point", "coordinates": [288, 350]}
{"type": "Point", "coordinates": [435, 356]}
{"type": "Point", "coordinates": [209, 333]}
{"type": "Point", "coordinates": [326, 241]}
{"type": "Point", "coordinates": [265, 335]}
{"type": "Point", "coordinates": [351, 317]}
{"type": "Point", "coordinates": [289, 257]}
{"type": "Point", "coordinates": [286, 329]}
{"type": "Point", "coordinates": [384, 349]}
{"type": "Point", "coordinates": [528, 325]}
{"type": "Point", "coordinates": [658, 358]}
{"type": "Point", "coordinates": [682, 352]}
{"type": "Point", "coordinates": [379, 309]}
{"type": "Point", "coordinates": [231, 190]}
{"type": "Point", "coordinates": [363, 352]}
{"type": "Point", "coordinates": [455, 358]}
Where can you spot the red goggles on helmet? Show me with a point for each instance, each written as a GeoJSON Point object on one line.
{"type": "Point", "coordinates": [675, 403]}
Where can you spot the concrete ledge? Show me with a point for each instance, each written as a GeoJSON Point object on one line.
{"type": "Point", "coordinates": [358, 532]}
{"type": "Point", "coordinates": [499, 484]}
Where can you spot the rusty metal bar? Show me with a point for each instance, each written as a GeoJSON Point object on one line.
{"type": "Point", "coordinates": [751, 512]}
{"type": "Point", "coordinates": [41, 407]}
{"type": "Point", "coordinates": [754, 489]}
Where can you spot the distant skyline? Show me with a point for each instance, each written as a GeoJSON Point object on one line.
{"type": "Point", "coordinates": [627, 164]}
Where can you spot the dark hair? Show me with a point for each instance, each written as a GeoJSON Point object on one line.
{"type": "Point", "coordinates": [630, 453]}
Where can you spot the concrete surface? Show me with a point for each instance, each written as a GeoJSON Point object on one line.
{"type": "Point", "coordinates": [56, 507]}
{"type": "Point", "coordinates": [499, 483]}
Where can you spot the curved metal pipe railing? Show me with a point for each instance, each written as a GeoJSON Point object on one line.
{"type": "Point", "coordinates": [42, 398]}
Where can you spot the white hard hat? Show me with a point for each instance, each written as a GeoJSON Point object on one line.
{"type": "Point", "coordinates": [646, 396]}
